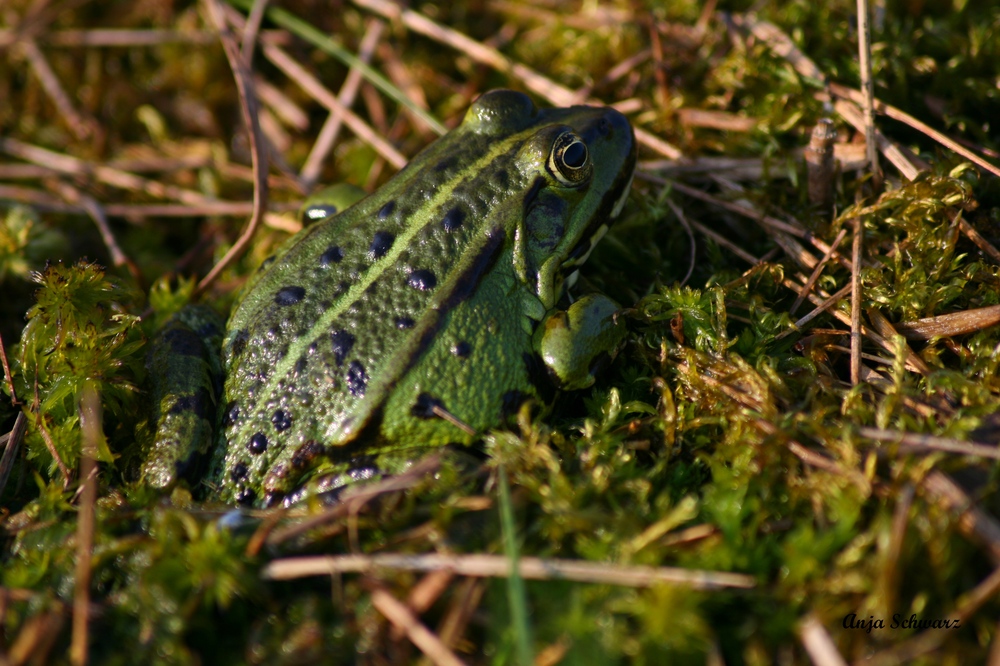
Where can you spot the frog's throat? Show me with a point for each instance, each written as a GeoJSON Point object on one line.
{"type": "Point", "coordinates": [550, 283]}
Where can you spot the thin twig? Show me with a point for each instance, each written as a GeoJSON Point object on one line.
{"type": "Point", "coordinates": [687, 227]}
{"type": "Point", "coordinates": [850, 112]}
{"type": "Point", "coordinates": [81, 125]}
{"type": "Point", "coordinates": [807, 287]}
{"type": "Point", "coordinates": [298, 74]}
{"type": "Point", "coordinates": [868, 86]}
{"type": "Point", "coordinates": [532, 80]}
{"type": "Point", "coordinates": [497, 566]}
{"type": "Point", "coordinates": [972, 521]}
{"type": "Point", "coordinates": [856, 301]}
{"type": "Point", "coordinates": [89, 204]}
{"type": "Point", "coordinates": [248, 107]}
{"type": "Point", "coordinates": [901, 116]}
{"type": "Point", "coordinates": [817, 642]}
{"type": "Point", "coordinates": [12, 444]}
{"type": "Point", "coordinates": [91, 432]}
{"type": "Point", "coordinates": [348, 93]}
{"type": "Point", "coordinates": [921, 442]}
{"type": "Point", "coordinates": [930, 639]}
{"type": "Point", "coordinates": [404, 620]}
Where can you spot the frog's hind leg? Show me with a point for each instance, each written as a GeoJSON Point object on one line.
{"type": "Point", "coordinates": [186, 381]}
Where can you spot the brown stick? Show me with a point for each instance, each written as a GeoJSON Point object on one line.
{"type": "Point", "coordinates": [248, 107]}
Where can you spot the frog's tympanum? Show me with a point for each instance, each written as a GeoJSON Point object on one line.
{"type": "Point", "coordinates": [419, 316]}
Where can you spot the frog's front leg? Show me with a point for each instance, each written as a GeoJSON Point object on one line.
{"type": "Point", "coordinates": [578, 342]}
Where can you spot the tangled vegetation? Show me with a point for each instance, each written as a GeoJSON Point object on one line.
{"type": "Point", "coordinates": [749, 482]}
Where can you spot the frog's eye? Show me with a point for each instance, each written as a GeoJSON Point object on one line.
{"type": "Point", "coordinates": [569, 161]}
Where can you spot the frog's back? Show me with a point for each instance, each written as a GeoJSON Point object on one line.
{"type": "Point", "coordinates": [334, 326]}
{"type": "Point", "coordinates": [312, 352]}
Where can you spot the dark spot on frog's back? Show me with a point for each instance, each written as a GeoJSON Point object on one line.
{"type": "Point", "coordinates": [501, 178]}
{"type": "Point", "coordinates": [332, 255]}
{"type": "Point", "coordinates": [289, 295]}
{"type": "Point", "coordinates": [232, 413]}
{"type": "Point", "coordinates": [257, 444]}
{"type": "Point", "coordinates": [403, 323]}
{"type": "Point", "coordinates": [240, 340]}
{"type": "Point", "coordinates": [381, 244]}
{"type": "Point", "coordinates": [197, 403]}
{"type": "Point", "coordinates": [462, 349]}
{"type": "Point", "coordinates": [357, 379]}
{"type": "Point", "coordinates": [425, 406]}
{"type": "Point", "coordinates": [281, 420]}
{"type": "Point", "coordinates": [184, 342]}
{"type": "Point", "coordinates": [386, 210]}
{"type": "Point", "coordinates": [342, 343]}
{"type": "Point", "coordinates": [239, 471]}
{"type": "Point", "coordinates": [422, 279]}
{"type": "Point", "coordinates": [246, 497]}
{"type": "Point", "coordinates": [453, 219]}
{"type": "Point", "coordinates": [305, 454]}
{"type": "Point", "coordinates": [267, 262]}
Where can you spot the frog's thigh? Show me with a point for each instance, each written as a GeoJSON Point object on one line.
{"type": "Point", "coordinates": [476, 366]}
{"type": "Point", "coordinates": [576, 343]}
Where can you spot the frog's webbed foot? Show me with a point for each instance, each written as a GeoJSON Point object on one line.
{"type": "Point", "coordinates": [578, 342]}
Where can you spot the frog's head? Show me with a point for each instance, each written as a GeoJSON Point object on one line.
{"type": "Point", "coordinates": [576, 165]}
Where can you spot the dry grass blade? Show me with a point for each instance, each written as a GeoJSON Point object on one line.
{"type": "Point", "coordinates": [724, 242]}
{"type": "Point", "coordinates": [868, 86]}
{"type": "Point", "coordinates": [82, 126]}
{"type": "Point", "coordinates": [297, 73]}
{"type": "Point", "coordinates": [496, 566]}
{"type": "Point", "coordinates": [720, 120]}
{"type": "Point", "coordinates": [817, 642]}
{"type": "Point", "coordinates": [99, 37]}
{"type": "Point", "coordinates": [12, 444]}
{"type": "Point", "coordinates": [818, 270]}
{"type": "Point", "coordinates": [852, 114]}
{"type": "Point", "coordinates": [915, 441]}
{"type": "Point", "coordinates": [955, 323]}
{"type": "Point", "coordinates": [60, 162]}
{"type": "Point", "coordinates": [404, 620]}
{"type": "Point", "coordinates": [91, 430]}
{"type": "Point", "coordinates": [978, 239]}
{"type": "Point", "coordinates": [767, 221]}
{"type": "Point", "coordinates": [355, 497]}
{"type": "Point", "coordinates": [779, 42]}
{"type": "Point", "coordinates": [327, 137]}
{"type": "Point", "coordinates": [932, 638]}
{"type": "Point", "coordinates": [532, 80]}
{"type": "Point", "coordinates": [896, 114]}
{"type": "Point", "coordinates": [973, 521]}
{"type": "Point", "coordinates": [37, 636]}
{"type": "Point", "coordinates": [859, 230]}
{"type": "Point", "coordinates": [258, 156]}
{"type": "Point", "coordinates": [96, 213]}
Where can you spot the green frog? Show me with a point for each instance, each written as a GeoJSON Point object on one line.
{"type": "Point", "coordinates": [411, 319]}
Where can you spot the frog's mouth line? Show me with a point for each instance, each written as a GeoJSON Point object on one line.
{"type": "Point", "coordinates": [578, 256]}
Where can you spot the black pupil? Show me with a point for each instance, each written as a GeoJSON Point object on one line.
{"type": "Point", "coordinates": [575, 155]}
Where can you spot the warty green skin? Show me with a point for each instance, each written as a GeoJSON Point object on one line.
{"type": "Point", "coordinates": [408, 321]}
